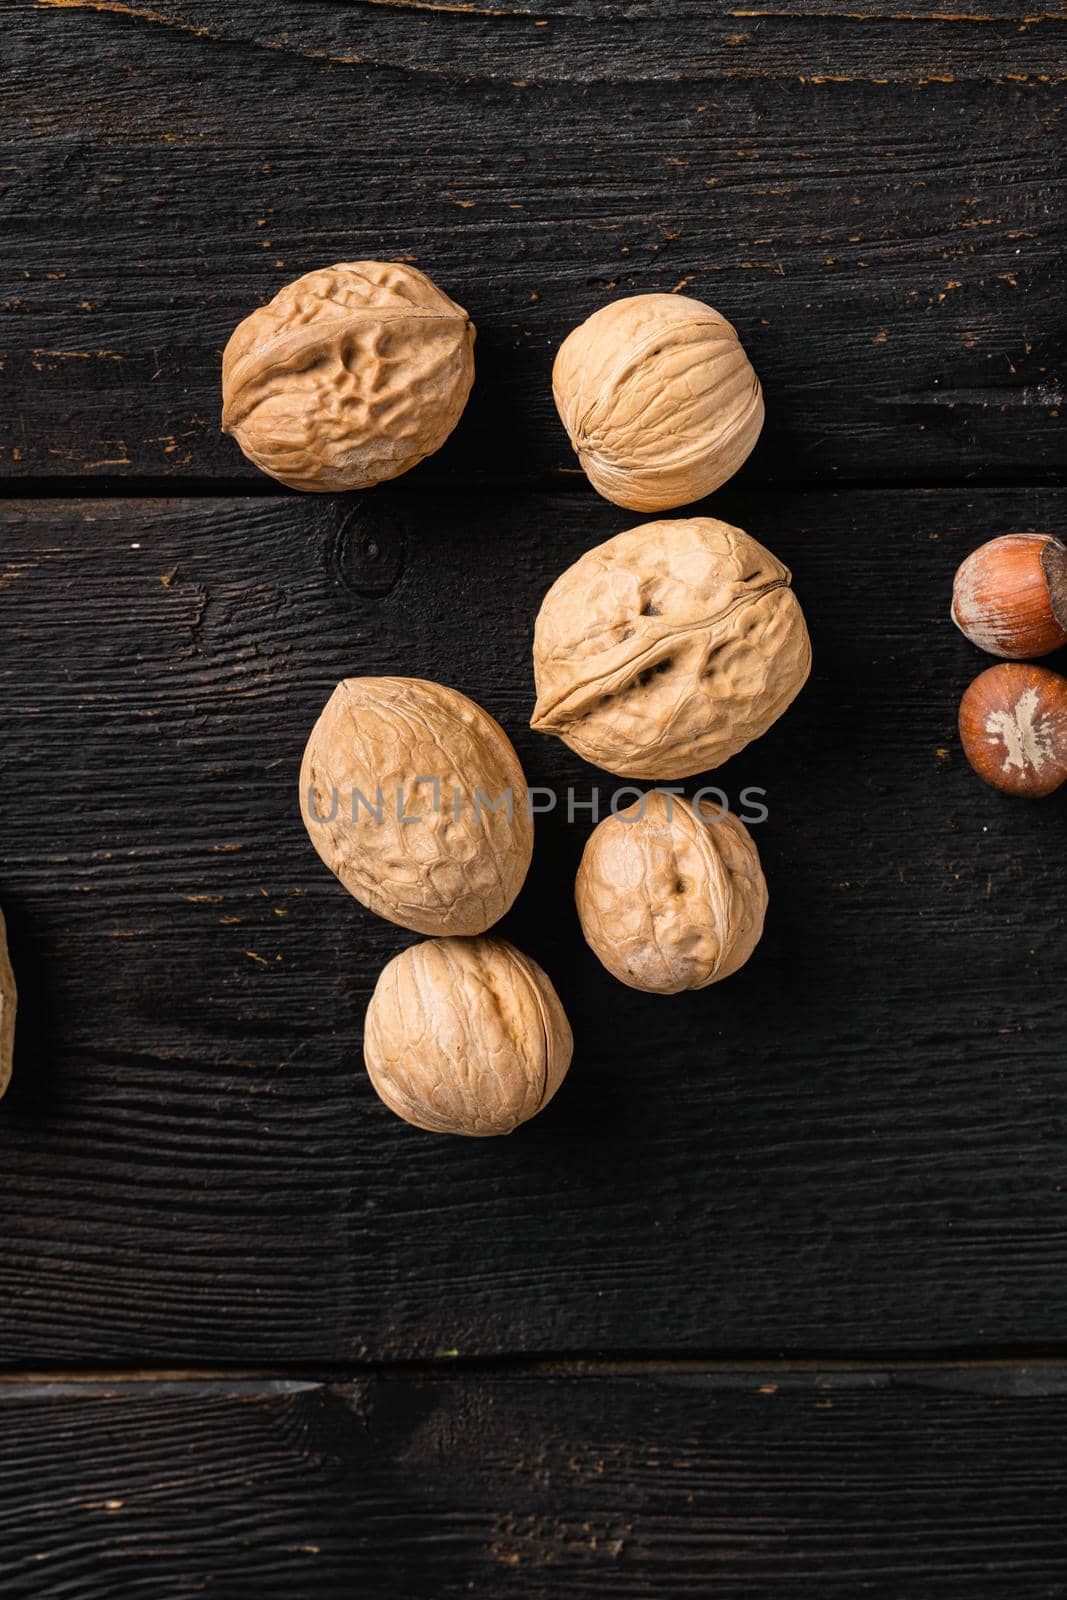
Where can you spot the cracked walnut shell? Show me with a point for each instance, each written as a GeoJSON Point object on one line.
{"type": "Point", "coordinates": [414, 797]}
{"type": "Point", "coordinates": [466, 1036]}
{"type": "Point", "coordinates": [350, 376]}
{"type": "Point", "coordinates": [670, 895]}
{"type": "Point", "coordinates": [659, 399]}
{"type": "Point", "coordinates": [666, 650]}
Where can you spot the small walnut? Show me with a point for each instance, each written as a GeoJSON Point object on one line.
{"type": "Point", "coordinates": [671, 897]}
{"type": "Point", "coordinates": [666, 650]}
{"type": "Point", "coordinates": [8, 1005]}
{"type": "Point", "coordinates": [659, 399]}
{"type": "Point", "coordinates": [414, 797]}
{"type": "Point", "coordinates": [351, 375]}
{"type": "Point", "coordinates": [466, 1036]}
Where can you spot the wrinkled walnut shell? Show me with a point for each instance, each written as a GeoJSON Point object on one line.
{"type": "Point", "coordinates": [351, 375]}
{"type": "Point", "coordinates": [369, 769]}
{"type": "Point", "coordinates": [671, 897]}
{"type": "Point", "coordinates": [466, 1036]}
{"type": "Point", "coordinates": [659, 400]}
{"type": "Point", "coordinates": [667, 649]}
{"type": "Point", "coordinates": [8, 1006]}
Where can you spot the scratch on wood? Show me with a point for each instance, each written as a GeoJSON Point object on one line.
{"type": "Point", "coordinates": [451, 5]}
{"type": "Point", "coordinates": [140, 12]}
{"type": "Point", "coordinates": [899, 16]}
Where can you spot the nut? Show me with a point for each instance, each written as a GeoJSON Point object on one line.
{"type": "Point", "coordinates": [1013, 724]}
{"type": "Point", "coordinates": [466, 1036]}
{"type": "Point", "coordinates": [351, 375]}
{"type": "Point", "coordinates": [659, 399]}
{"type": "Point", "coordinates": [414, 797]}
{"type": "Point", "coordinates": [8, 1006]}
{"type": "Point", "coordinates": [1010, 596]}
{"type": "Point", "coordinates": [669, 648]}
{"type": "Point", "coordinates": [671, 896]}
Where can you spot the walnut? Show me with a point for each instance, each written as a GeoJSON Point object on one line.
{"type": "Point", "coordinates": [414, 797]}
{"type": "Point", "coordinates": [659, 399]}
{"type": "Point", "coordinates": [351, 375]}
{"type": "Point", "coordinates": [667, 649]}
{"type": "Point", "coordinates": [466, 1036]}
{"type": "Point", "coordinates": [671, 897]}
{"type": "Point", "coordinates": [8, 1005]}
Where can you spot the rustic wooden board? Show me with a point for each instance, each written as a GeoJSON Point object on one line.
{"type": "Point", "coordinates": [856, 1146]}
{"type": "Point", "coordinates": [876, 202]}
{"type": "Point", "coordinates": [857, 1143]}
{"type": "Point", "coordinates": [816, 1485]}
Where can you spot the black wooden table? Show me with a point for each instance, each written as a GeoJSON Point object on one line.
{"type": "Point", "coordinates": [772, 1300]}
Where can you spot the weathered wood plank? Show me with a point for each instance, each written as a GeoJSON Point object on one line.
{"type": "Point", "coordinates": [811, 1485]}
{"type": "Point", "coordinates": [891, 251]}
{"type": "Point", "coordinates": [598, 41]}
{"type": "Point", "coordinates": [857, 1142]}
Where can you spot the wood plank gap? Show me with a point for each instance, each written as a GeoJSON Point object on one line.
{"type": "Point", "coordinates": [70, 489]}
{"type": "Point", "coordinates": [1052, 1364]}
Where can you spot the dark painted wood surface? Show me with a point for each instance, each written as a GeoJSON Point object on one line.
{"type": "Point", "coordinates": [876, 203]}
{"type": "Point", "coordinates": [855, 1147]}
{"type": "Point", "coordinates": [818, 1485]}
{"type": "Point", "coordinates": [857, 1143]}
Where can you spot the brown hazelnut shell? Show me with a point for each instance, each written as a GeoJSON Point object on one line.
{"type": "Point", "coordinates": [1009, 596]}
{"type": "Point", "coordinates": [1013, 726]}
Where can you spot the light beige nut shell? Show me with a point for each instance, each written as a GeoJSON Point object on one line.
{"type": "Point", "coordinates": [351, 375]}
{"type": "Point", "coordinates": [466, 1036]}
{"type": "Point", "coordinates": [659, 400]}
{"type": "Point", "coordinates": [459, 866]}
{"type": "Point", "coordinates": [8, 1007]}
{"type": "Point", "coordinates": [666, 650]}
{"type": "Point", "coordinates": [670, 897]}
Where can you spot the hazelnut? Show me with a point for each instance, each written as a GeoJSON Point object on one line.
{"type": "Point", "coordinates": [351, 375]}
{"type": "Point", "coordinates": [1010, 595]}
{"type": "Point", "coordinates": [466, 1036]}
{"type": "Point", "coordinates": [414, 797]}
{"type": "Point", "coordinates": [659, 399]}
{"type": "Point", "coordinates": [669, 648]}
{"type": "Point", "coordinates": [670, 895]}
{"type": "Point", "coordinates": [1013, 724]}
{"type": "Point", "coordinates": [8, 1005]}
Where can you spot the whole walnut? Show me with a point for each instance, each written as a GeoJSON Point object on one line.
{"type": "Point", "coordinates": [667, 649]}
{"type": "Point", "coordinates": [671, 896]}
{"type": "Point", "coordinates": [659, 399]}
{"type": "Point", "coordinates": [351, 375]}
{"type": "Point", "coordinates": [466, 1036]}
{"type": "Point", "coordinates": [414, 797]}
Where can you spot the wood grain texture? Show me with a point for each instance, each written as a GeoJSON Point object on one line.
{"type": "Point", "coordinates": [811, 1485]}
{"type": "Point", "coordinates": [875, 201]}
{"type": "Point", "coordinates": [597, 41]}
{"type": "Point", "coordinates": [855, 1143]}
